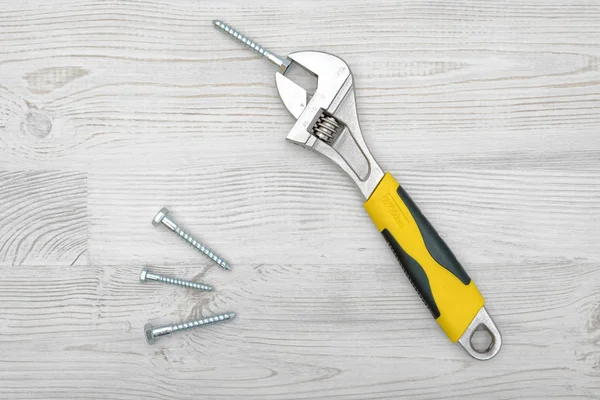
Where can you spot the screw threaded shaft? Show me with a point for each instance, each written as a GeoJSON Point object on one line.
{"type": "Point", "coordinates": [204, 321]}
{"type": "Point", "coordinates": [280, 62]}
{"type": "Point", "coordinates": [241, 37]}
{"type": "Point", "coordinates": [203, 249]}
{"type": "Point", "coordinates": [146, 275]}
{"type": "Point", "coordinates": [181, 282]}
{"type": "Point", "coordinates": [151, 333]}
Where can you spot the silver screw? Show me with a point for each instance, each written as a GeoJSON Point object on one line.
{"type": "Point", "coordinates": [280, 62]}
{"type": "Point", "coordinates": [161, 218]}
{"type": "Point", "coordinates": [152, 333]}
{"type": "Point", "coordinates": [148, 276]}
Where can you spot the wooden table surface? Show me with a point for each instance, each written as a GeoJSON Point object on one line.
{"type": "Point", "coordinates": [488, 113]}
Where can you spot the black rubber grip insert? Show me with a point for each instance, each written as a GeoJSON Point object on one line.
{"type": "Point", "coordinates": [414, 271]}
{"type": "Point", "coordinates": [438, 249]}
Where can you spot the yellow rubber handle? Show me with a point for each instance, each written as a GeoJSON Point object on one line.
{"type": "Point", "coordinates": [433, 270]}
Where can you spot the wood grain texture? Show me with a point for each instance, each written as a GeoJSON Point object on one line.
{"type": "Point", "coordinates": [486, 111]}
{"type": "Point", "coordinates": [43, 217]}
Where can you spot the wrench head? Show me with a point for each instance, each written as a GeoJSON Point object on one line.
{"type": "Point", "coordinates": [327, 122]}
{"type": "Point", "coordinates": [332, 73]}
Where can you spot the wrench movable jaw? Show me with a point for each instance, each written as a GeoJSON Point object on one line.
{"type": "Point", "coordinates": [294, 97]}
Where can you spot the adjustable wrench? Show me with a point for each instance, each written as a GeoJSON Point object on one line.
{"type": "Point", "coordinates": [327, 123]}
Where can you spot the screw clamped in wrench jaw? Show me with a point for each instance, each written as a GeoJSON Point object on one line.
{"type": "Point", "coordinates": [327, 121]}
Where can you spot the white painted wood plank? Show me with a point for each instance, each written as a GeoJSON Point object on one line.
{"type": "Point", "coordinates": [44, 218]}
{"type": "Point", "coordinates": [255, 215]}
{"type": "Point", "coordinates": [303, 331]}
{"type": "Point", "coordinates": [487, 112]}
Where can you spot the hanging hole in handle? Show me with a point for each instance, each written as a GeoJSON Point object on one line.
{"type": "Point", "coordinates": [485, 328]}
{"type": "Point", "coordinates": [482, 339]}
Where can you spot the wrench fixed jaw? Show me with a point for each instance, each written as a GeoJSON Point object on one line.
{"type": "Point", "coordinates": [327, 122]}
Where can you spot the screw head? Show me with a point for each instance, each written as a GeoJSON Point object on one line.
{"type": "Point", "coordinates": [143, 274]}
{"type": "Point", "coordinates": [148, 328]}
{"type": "Point", "coordinates": [159, 216]}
